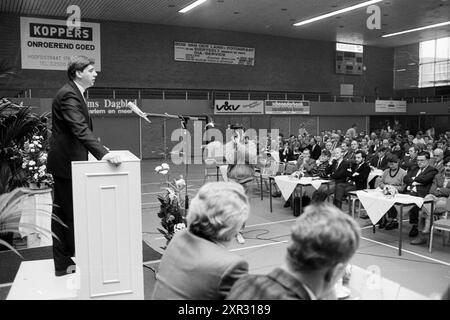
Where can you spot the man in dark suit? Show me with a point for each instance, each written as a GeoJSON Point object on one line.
{"type": "Point", "coordinates": [418, 182]}
{"type": "Point", "coordinates": [357, 181]}
{"type": "Point", "coordinates": [71, 140]}
{"type": "Point", "coordinates": [323, 240]}
{"type": "Point", "coordinates": [380, 160]}
{"type": "Point", "coordinates": [439, 193]}
{"type": "Point", "coordinates": [315, 149]}
{"type": "Point", "coordinates": [337, 172]}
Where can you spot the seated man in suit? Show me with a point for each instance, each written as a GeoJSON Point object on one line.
{"type": "Point", "coordinates": [439, 193]}
{"type": "Point", "coordinates": [336, 171]}
{"type": "Point", "coordinates": [314, 148]}
{"type": "Point", "coordinates": [379, 161]}
{"type": "Point", "coordinates": [323, 240]}
{"type": "Point", "coordinates": [418, 183]}
{"type": "Point", "coordinates": [410, 160]}
{"type": "Point", "coordinates": [359, 172]}
{"type": "Point", "coordinates": [438, 159]}
{"type": "Point", "coordinates": [347, 153]}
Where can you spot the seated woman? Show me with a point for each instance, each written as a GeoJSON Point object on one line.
{"type": "Point", "coordinates": [391, 176]}
{"type": "Point", "coordinates": [196, 264]}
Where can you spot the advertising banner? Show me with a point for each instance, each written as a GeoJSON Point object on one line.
{"type": "Point", "coordinates": [111, 107]}
{"type": "Point", "coordinates": [390, 106]}
{"type": "Point", "coordinates": [47, 44]}
{"type": "Point", "coordinates": [238, 107]}
{"type": "Point", "coordinates": [213, 53]}
{"type": "Point", "coordinates": [287, 107]}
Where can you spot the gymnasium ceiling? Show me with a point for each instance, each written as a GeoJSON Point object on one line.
{"type": "Point", "coordinates": [270, 17]}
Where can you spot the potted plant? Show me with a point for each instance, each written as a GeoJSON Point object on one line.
{"type": "Point", "coordinates": [172, 210]}
{"type": "Point", "coordinates": [11, 214]}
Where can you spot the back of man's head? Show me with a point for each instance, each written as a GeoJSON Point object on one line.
{"type": "Point", "coordinates": [322, 237]}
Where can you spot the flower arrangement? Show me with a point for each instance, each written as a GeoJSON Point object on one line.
{"type": "Point", "coordinates": [35, 163]}
{"type": "Point", "coordinates": [390, 191]}
{"type": "Point", "coordinates": [172, 212]}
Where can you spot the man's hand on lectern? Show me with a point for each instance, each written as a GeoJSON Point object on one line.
{"type": "Point", "coordinates": [112, 158]}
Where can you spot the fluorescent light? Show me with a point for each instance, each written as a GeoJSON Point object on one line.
{"type": "Point", "coordinates": [400, 70]}
{"type": "Point", "coordinates": [334, 13]}
{"type": "Point", "coordinates": [417, 29]}
{"type": "Point", "coordinates": [192, 6]}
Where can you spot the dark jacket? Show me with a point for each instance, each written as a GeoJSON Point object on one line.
{"type": "Point", "coordinates": [383, 165]}
{"type": "Point", "coordinates": [360, 180]}
{"type": "Point", "coordinates": [425, 178]}
{"type": "Point", "coordinates": [408, 164]}
{"type": "Point", "coordinates": [277, 285]}
{"type": "Point", "coordinates": [438, 182]}
{"type": "Point", "coordinates": [339, 174]}
{"type": "Point", "coordinates": [72, 135]}
{"type": "Point", "coordinates": [315, 151]}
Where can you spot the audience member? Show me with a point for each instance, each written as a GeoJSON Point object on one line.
{"type": "Point", "coordinates": [196, 264]}
{"type": "Point", "coordinates": [393, 176]}
{"type": "Point", "coordinates": [439, 193]}
{"type": "Point", "coordinates": [323, 241]}
{"type": "Point", "coordinates": [418, 182]}
{"type": "Point", "coordinates": [357, 180]}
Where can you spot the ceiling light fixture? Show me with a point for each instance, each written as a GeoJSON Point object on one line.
{"type": "Point", "coordinates": [417, 29]}
{"type": "Point", "coordinates": [192, 6]}
{"type": "Point", "coordinates": [324, 16]}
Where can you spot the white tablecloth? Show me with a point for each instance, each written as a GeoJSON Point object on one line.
{"type": "Point", "coordinates": [377, 204]}
{"type": "Point", "coordinates": [373, 174]}
{"type": "Point", "coordinates": [287, 184]}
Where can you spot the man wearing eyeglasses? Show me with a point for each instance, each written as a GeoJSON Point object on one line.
{"type": "Point", "coordinates": [418, 183]}
{"type": "Point", "coordinates": [439, 193]}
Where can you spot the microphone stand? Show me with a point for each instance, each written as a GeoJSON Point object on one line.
{"type": "Point", "coordinates": [183, 124]}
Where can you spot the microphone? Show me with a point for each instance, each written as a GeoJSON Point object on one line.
{"type": "Point", "coordinates": [138, 111]}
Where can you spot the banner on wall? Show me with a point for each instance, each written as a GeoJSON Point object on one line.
{"type": "Point", "coordinates": [287, 107]}
{"type": "Point", "coordinates": [47, 44]}
{"type": "Point", "coordinates": [238, 107]}
{"type": "Point", "coordinates": [390, 106]}
{"type": "Point", "coordinates": [111, 107]}
{"type": "Point", "coordinates": [213, 53]}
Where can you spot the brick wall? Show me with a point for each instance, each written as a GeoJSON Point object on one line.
{"type": "Point", "coordinates": [141, 55]}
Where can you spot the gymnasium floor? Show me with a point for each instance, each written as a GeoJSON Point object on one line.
{"type": "Point", "coordinates": [267, 233]}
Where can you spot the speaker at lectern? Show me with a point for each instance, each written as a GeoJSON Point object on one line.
{"type": "Point", "coordinates": [108, 228]}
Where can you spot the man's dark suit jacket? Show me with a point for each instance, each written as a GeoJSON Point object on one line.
{"type": "Point", "coordinates": [438, 182]}
{"type": "Point", "coordinates": [408, 164]}
{"type": "Point", "coordinates": [425, 178]}
{"type": "Point", "coordinates": [277, 285]}
{"type": "Point", "coordinates": [315, 151]}
{"type": "Point", "coordinates": [72, 135]}
{"type": "Point", "coordinates": [384, 162]}
{"type": "Point", "coordinates": [361, 179]}
{"type": "Point", "coordinates": [339, 174]}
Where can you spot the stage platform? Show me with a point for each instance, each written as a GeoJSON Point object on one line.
{"type": "Point", "coordinates": [36, 280]}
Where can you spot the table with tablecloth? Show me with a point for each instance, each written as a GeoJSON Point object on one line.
{"type": "Point", "coordinates": [373, 174]}
{"type": "Point", "coordinates": [288, 184]}
{"type": "Point", "coordinates": [377, 204]}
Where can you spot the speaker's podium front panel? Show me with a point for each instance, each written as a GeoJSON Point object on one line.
{"type": "Point", "coordinates": [108, 228]}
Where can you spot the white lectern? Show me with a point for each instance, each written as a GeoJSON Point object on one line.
{"type": "Point", "coordinates": [108, 228]}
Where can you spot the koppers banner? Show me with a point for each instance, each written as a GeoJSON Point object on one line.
{"type": "Point", "coordinates": [47, 44]}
